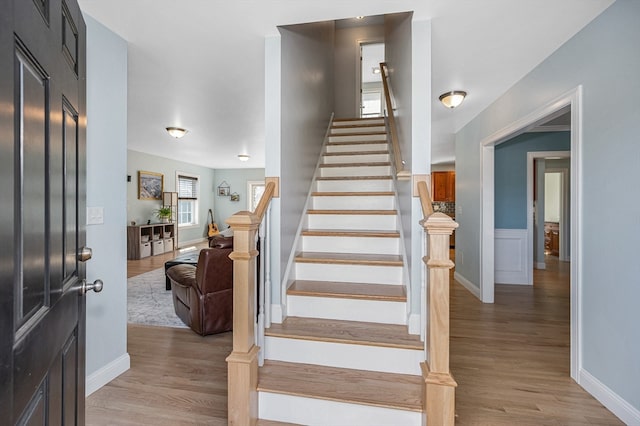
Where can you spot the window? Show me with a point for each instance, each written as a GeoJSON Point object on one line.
{"type": "Point", "coordinates": [188, 189]}
{"type": "Point", "coordinates": [255, 190]}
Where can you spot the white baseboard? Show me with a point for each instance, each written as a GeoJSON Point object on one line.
{"type": "Point", "coordinates": [183, 244]}
{"type": "Point", "coordinates": [541, 265]}
{"type": "Point", "coordinates": [276, 313]}
{"type": "Point", "coordinates": [467, 284]}
{"type": "Point", "coordinates": [107, 373]}
{"type": "Point", "coordinates": [614, 403]}
{"type": "Point", "coordinates": [414, 324]}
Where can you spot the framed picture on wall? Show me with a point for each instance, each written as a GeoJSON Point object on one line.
{"type": "Point", "coordinates": [150, 185]}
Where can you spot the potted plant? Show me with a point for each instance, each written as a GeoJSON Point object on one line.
{"type": "Point", "coordinates": [164, 214]}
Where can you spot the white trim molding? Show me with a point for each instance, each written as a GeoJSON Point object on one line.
{"type": "Point", "coordinates": [106, 374]}
{"type": "Point", "coordinates": [571, 100]}
{"type": "Point", "coordinates": [473, 289]}
{"type": "Point", "coordinates": [611, 400]}
{"type": "Point", "coordinates": [512, 257]}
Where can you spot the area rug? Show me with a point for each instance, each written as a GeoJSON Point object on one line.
{"type": "Point", "coordinates": [149, 303]}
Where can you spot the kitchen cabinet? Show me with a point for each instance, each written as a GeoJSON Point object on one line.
{"type": "Point", "coordinates": [443, 186]}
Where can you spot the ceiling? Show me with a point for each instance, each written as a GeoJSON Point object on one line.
{"type": "Point", "coordinates": [199, 64]}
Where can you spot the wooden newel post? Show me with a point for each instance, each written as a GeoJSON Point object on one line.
{"type": "Point", "coordinates": [242, 364]}
{"type": "Point", "coordinates": [439, 385]}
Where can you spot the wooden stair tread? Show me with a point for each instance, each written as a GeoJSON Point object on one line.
{"type": "Point", "coordinates": [359, 133]}
{"type": "Point", "coordinates": [367, 142]}
{"type": "Point", "coordinates": [352, 194]}
{"type": "Point", "coordinates": [358, 119]}
{"type": "Point", "coordinates": [356, 212]}
{"type": "Point", "coordinates": [385, 177]}
{"type": "Point", "coordinates": [347, 332]}
{"type": "Point", "coordinates": [390, 390]}
{"type": "Point", "coordinates": [362, 125]}
{"type": "Point", "coordinates": [350, 258]}
{"type": "Point", "coordinates": [343, 290]}
{"type": "Point", "coordinates": [369, 164]}
{"type": "Point", "coordinates": [263, 422]}
{"type": "Point", "coordinates": [337, 154]}
{"type": "Point", "coordinates": [350, 233]}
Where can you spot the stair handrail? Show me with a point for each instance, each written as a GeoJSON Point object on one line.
{"type": "Point", "coordinates": [242, 363]}
{"type": "Point", "coordinates": [439, 384]}
{"type": "Point", "coordinates": [401, 173]}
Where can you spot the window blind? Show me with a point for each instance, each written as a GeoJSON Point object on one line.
{"type": "Point", "coordinates": [187, 188]}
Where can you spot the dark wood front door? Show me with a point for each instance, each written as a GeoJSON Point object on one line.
{"type": "Point", "coordinates": [42, 164]}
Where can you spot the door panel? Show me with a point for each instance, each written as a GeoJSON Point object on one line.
{"type": "Point", "coordinates": [42, 155]}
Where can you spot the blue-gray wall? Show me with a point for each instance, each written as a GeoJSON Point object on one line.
{"type": "Point", "coordinates": [306, 106]}
{"type": "Point", "coordinates": [511, 174]}
{"type": "Point", "coordinates": [604, 59]}
{"type": "Point", "coordinates": [237, 180]}
{"type": "Point", "coordinates": [106, 187]}
{"type": "Point", "coordinates": [142, 210]}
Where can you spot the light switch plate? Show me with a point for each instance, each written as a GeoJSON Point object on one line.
{"type": "Point", "coordinates": [95, 215]}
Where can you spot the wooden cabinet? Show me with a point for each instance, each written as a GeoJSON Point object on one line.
{"type": "Point", "coordinates": [551, 238]}
{"type": "Point", "coordinates": [443, 186]}
{"type": "Point", "coordinates": [150, 240]}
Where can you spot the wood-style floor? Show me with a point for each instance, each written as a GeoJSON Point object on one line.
{"type": "Point", "coordinates": [510, 359]}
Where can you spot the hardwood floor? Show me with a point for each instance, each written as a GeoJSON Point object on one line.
{"type": "Point", "coordinates": [137, 267]}
{"type": "Point", "coordinates": [510, 359]}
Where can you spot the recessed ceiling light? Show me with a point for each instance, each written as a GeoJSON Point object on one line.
{"type": "Point", "coordinates": [177, 132]}
{"type": "Point", "coordinates": [243, 157]}
{"type": "Point", "coordinates": [452, 99]}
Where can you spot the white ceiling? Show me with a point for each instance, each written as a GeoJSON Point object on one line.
{"type": "Point", "coordinates": [199, 64]}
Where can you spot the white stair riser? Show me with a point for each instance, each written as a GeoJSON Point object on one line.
{"type": "Point", "coordinates": [360, 158]}
{"type": "Point", "coordinates": [369, 202]}
{"type": "Point", "coordinates": [360, 129]}
{"type": "Point", "coordinates": [354, 185]}
{"type": "Point", "coordinates": [384, 312]}
{"type": "Point", "coordinates": [379, 121]}
{"type": "Point", "coordinates": [349, 273]}
{"type": "Point", "coordinates": [335, 244]}
{"type": "Point", "coordinates": [343, 355]}
{"type": "Point", "coordinates": [347, 138]}
{"type": "Point", "coordinates": [322, 412]}
{"type": "Point", "coordinates": [352, 221]}
{"type": "Point", "coordinates": [379, 146]}
{"type": "Point", "coordinates": [355, 171]}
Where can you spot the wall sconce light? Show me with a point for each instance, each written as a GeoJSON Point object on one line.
{"type": "Point", "coordinates": [452, 99]}
{"type": "Point", "coordinates": [177, 132]}
{"type": "Point", "coordinates": [243, 157]}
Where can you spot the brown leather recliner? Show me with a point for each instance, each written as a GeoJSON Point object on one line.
{"type": "Point", "coordinates": [203, 294]}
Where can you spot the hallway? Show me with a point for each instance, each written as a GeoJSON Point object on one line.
{"type": "Point", "coordinates": [511, 358]}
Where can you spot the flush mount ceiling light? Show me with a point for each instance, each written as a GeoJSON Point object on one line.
{"type": "Point", "coordinates": [177, 132]}
{"type": "Point", "coordinates": [452, 99]}
{"type": "Point", "coordinates": [359, 18]}
{"type": "Point", "coordinates": [243, 157]}
{"type": "Point", "coordinates": [375, 70]}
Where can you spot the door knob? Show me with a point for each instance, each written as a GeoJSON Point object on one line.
{"type": "Point", "coordinates": [84, 254]}
{"type": "Point", "coordinates": [95, 286]}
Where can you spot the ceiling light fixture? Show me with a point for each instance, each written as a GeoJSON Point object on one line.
{"type": "Point", "coordinates": [376, 70]}
{"type": "Point", "coordinates": [243, 157]}
{"type": "Point", "coordinates": [452, 99]}
{"type": "Point", "coordinates": [177, 132]}
{"type": "Point", "coordinates": [359, 18]}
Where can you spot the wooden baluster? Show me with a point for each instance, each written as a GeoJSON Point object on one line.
{"type": "Point", "coordinates": [439, 387]}
{"type": "Point", "coordinates": [243, 362]}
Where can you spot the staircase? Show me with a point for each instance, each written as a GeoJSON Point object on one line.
{"type": "Point", "coordinates": [343, 355]}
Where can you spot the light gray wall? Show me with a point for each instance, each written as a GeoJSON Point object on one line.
{"type": "Point", "coordinates": [142, 210]}
{"type": "Point", "coordinates": [237, 180]}
{"type": "Point", "coordinates": [106, 187]}
{"type": "Point", "coordinates": [604, 59]}
{"type": "Point", "coordinates": [306, 107]}
{"type": "Point", "coordinates": [347, 57]}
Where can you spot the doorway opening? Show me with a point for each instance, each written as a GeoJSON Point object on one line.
{"type": "Point", "coordinates": [570, 101]}
{"type": "Point", "coordinates": [370, 101]}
